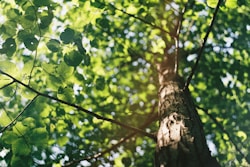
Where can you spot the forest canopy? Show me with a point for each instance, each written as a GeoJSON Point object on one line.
{"type": "Point", "coordinates": [79, 79]}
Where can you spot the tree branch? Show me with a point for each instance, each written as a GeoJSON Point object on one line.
{"type": "Point", "coordinates": [223, 130]}
{"type": "Point", "coordinates": [178, 30]}
{"type": "Point", "coordinates": [122, 140]}
{"type": "Point", "coordinates": [80, 108]}
{"type": "Point", "coordinates": [8, 84]}
{"type": "Point", "coordinates": [138, 18]}
{"type": "Point", "coordinates": [203, 45]}
{"type": "Point", "coordinates": [14, 120]}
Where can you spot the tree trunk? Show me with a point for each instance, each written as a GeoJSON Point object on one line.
{"type": "Point", "coordinates": [180, 139]}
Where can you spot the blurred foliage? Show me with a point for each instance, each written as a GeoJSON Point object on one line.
{"type": "Point", "coordinates": [102, 55]}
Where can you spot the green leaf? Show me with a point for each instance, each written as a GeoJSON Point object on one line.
{"type": "Point", "coordinates": [40, 3]}
{"type": "Point", "coordinates": [10, 68]}
{"type": "Point", "coordinates": [53, 45]}
{"type": "Point", "coordinates": [31, 43]}
{"type": "Point", "coordinates": [103, 22]}
{"type": "Point", "coordinates": [50, 68]}
{"type": "Point", "coordinates": [9, 90]}
{"type": "Point", "coordinates": [97, 4]}
{"type": "Point", "coordinates": [66, 94]}
{"type": "Point", "coordinates": [100, 83]}
{"type": "Point", "coordinates": [20, 161]}
{"type": "Point", "coordinates": [13, 13]}
{"type": "Point", "coordinates": [39, 136]}
{"type": "Point", "coordinates": [64, 70]}
{"type": "Point", "coordinates": [30, 122]}
{"type": "Point", "coordinates": [62, 140]}
{"type": "Point", "coordinates": [212, 3]}
{"type": "Point", "coordinates": [19, 147]}
{"type": "Point", "coordinates": [20, 129]}
{"type": "Point", "coordinates": [9, 28]}
{"type": "Point", "coordinates": [8, 47]}
{"type": "Point", "coordinates": [23, 34]}
{"type": "Point", "coordinates": [80, 48]}
{"type": "Point", "coordinates": [28, 94]}
{"type": "Point", "coordinates": [9, 137]}
{"type": "Point", "coordinates": [73, 58]}
{"type": "Point", "coordinates": [61, 126]}
{"type": "Point", "coordinates": [67, 35]}
{"type": "Point", "coordinates": [45, 21]}
{"type": "Point", "coordinates": [242, 135]}
{"type": "Point", "coordinates": [30, 13]}
{"type": "Point", "coordinates": [149, 18]}
{"type": "Point", "coordinates": [86, 59]}
{"type": "Point", "coordinates": [126, 161]}
{"type": "Point", "coordinates": [231, 3]}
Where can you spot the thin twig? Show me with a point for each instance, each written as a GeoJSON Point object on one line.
{"type": "Point", "coordinates": [36, 52]}
{"type": "Point", "coordinates": [203, 46]}
{"type": "Point", "coordinates": [14, 120]}
{"type": "Point", "coordinates": [138, 18]}
{"type": "Point", "coordinates": [97, 155]}
{"type": "Point", "coordinates": [81, 108]}
{"type": "Point", "coordinates": [8, 84]}
{"type": "Point", "coordinates": [178, 30]}
{"type": "Point", "coordinates": [223, 130]}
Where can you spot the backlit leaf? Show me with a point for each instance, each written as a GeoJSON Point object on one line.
{"type": "Point", "coordinates": [212, 3]}
{"type": "Point", "coordinates": [62, 140]}
{"type": "Point", "coordinates": [66, 94]}
{"type": "Point", "coordinates": [231, 3]}
{"type": "Point", "coordinates": [4, 118]}
{"type": "Point", "coordinates": [242, 135]}
{"type": "Point", "coordinates": [20, 128]}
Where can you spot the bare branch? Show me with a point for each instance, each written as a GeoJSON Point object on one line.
{"type": "Point", "coordinates": [138, 18]}
{"type": "Point", "coordinates": [203, 45]}
{"type": "Point", "coordinates": [36, 51]}
{"type": "Point", "coordinates": [8, 84]}
{"type": "Point", "coordinates": [178, 30]}
{"type": "Point", "coordinates": [223, 130]}
{"type": "Point", "coordinates": [14, 120]}
{"type": "Point", "coordinates": [81, 108]}
{"type": "Point", "coordinates": [122, 140]}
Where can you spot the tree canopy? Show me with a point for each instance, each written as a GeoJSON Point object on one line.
{"type": "Point", "coordinates": [79, 79]}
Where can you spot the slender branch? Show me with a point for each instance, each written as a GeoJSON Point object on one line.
{"type": "Point", "coordinates": [19, 132]}
{"type": "Point", "coordinates": [81, 108]}
{"type": "Point", "coordinates": [178, 30]}
{"type": "Point", "coordinates": [203, 46]}
{"type": "Point", "coordinates": [36, 52]}
{"type": "Point", "coordinates": [223, 130]}
{"type": "Point", "coordinates": [14, 120]}
{"type": "Point", "coordinates": [138, 18]}
{"type": "Point", "coordinates": [122, 140]}
{"type": "Point", "coordinates": [8, 84]}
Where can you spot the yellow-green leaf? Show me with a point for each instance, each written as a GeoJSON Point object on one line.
{"type": "Point", "coordinates": [231, 3]}
{"type": "Point", "coordinates": [212, 3]}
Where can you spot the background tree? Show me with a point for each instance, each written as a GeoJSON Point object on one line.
{"type": "Point", "coordinates": [79, 79]}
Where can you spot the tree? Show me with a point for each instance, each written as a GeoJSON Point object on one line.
{"type": "Point", "coordinates": [80, 79]}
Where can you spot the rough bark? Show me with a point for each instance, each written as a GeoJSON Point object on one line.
{"type": "Point", "coordinates": [180, 139]}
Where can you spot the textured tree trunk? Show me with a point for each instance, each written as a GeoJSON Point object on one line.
{"type": "Point", "coordinates": [180, 139]}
